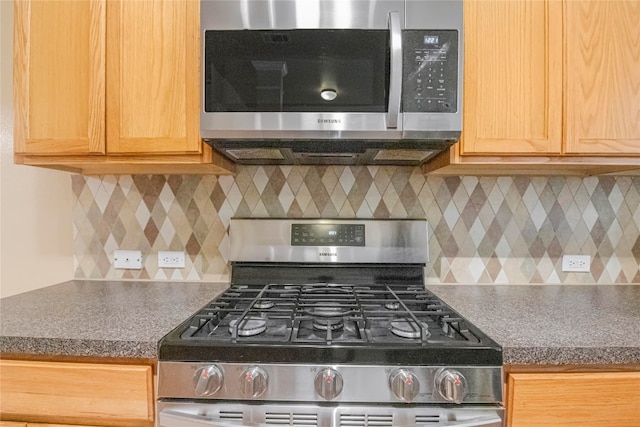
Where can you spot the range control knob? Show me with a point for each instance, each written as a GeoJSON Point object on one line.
{"type": "Point", "coordinates": [254, 382]}
{"type": "Point", "coordinates": [328, 383]}
{"type": "Point", "coordinates": [207, 380]}
{"type": "Point", "coordinates": [404, 384]}
{"type": "Point", "coordinates": [451, 385]}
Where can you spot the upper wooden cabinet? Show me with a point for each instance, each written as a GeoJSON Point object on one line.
{"type": "Point", "coordinates": [153, 86]}
{"type": "Point", "coordinates": [110, 87]}
{"type": "Point", "coordinates": [59, 63]}
{"type": "Point", "coordinates": [551, 87]}
{"type": "Point", "coordinates": [513, 77]}
{"type": "Point", "coordinates": [602, 77]}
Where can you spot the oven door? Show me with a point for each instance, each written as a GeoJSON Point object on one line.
{"type": "Point", "coordinates": [203, 414]}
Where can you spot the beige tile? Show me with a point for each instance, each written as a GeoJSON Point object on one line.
{"type": "Point", "coordinates": [527, 222]}
{"type": "Point", "coordinates": [330, 179]}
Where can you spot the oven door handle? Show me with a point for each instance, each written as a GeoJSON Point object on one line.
{"type": "Point", "coordinates": [475, 422]}
{"type": "Point", "coordinates": [395, 72]}
{"type": "Point", "coordinates": [171, 418]}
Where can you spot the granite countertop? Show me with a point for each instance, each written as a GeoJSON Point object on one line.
{"type": "Point", "coordinates": [536, 325]}
{"type": "Point", "coordinates": [99, 318]}
{"type": "Point", "coordinates": [554, 325]}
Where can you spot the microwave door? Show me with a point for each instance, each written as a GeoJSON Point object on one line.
{"type": "Point", "coordinates": [303, 83]}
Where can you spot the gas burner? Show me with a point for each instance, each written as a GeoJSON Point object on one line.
{"type": "Point", "coordinates": [407, 328]}
{"type": "Point", "coordinates": [326, 288]}
{"type": "Point", "coordinates": [327, 315]}
{"type": "Point", "coordinates": [392, 305]}
{"type": "Point", "coordinates": [263, 304]}
{"type": "Point", "coordinates": [249, 326]}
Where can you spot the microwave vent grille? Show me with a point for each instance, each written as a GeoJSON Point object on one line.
{"type": "Point", "coordinates": [256, 153]}
{"type": "Point", "coordinates": [405, 155]}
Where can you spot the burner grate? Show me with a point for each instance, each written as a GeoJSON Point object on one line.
{"type": "Point", "coordinates": [328, 313]}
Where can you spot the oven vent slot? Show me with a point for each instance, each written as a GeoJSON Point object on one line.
{"type": "Point", "coordinates": [291, 419]}
{"type": "Point", "coordinates": [231, 415]}
{"type": "Point", "coordinates": [353, 420]}
{"type": "Point", "coordinates": [427, 419]}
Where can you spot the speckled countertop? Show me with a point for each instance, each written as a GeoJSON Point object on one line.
{"type": "Point", "coordinates": [554, 325]}
{"type": "Point", "coordinates": [534, 324]}
{"type": "Point", "coordinates": [99, 318]}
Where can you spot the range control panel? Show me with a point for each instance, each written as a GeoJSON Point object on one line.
{"type": "Point", "coordinates": [430, 75]}
{"type": "Point", "coordinates": [327, 235]}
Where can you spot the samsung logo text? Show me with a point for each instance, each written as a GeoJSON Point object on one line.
{"type": "Point", "coordinates": [328, 254]}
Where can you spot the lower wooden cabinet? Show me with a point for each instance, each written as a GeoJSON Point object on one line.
{"type": "Point", "coordinates": [88, 394]}
{"type": "Point", "coordinates": [21, 424]}
{"type": "Point", "coordinates": [593, 399]}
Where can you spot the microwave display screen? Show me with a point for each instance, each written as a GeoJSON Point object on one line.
{"type": "Point", "coordinates": [296, 71]}
{"type": "Point", "coordinates": [431, 39]}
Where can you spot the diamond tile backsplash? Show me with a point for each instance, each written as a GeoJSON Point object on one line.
{"type": "Point", "coordinates": [482, 229]}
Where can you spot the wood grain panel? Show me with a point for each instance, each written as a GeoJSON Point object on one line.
{"type": "Point", "coordinates": [12, 424]}
{"type": "Point", "coordinates": [76, 392]}
{"type": "Point", "coordinates": [153, 84]}
{"type": "Point", "coordinates": [54, 425]}
{"type": "Point", "coordinates": [603, 399]}
{"type": "Point", "coordinates": [452, 163]}
{"type": "Point", "coordinates": [603, 77]}
{"type": "Point", "coordinates": [59, 70]}
{"type": "Point", "coordinates": [513, 77]}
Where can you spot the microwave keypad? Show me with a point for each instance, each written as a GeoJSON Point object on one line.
{"type": "Point", "coordinates": [430, 71]}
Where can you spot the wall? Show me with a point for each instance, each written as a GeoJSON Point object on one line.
{"type": "Point", "coordinates": [35, 204]}
{"type": "Point", "coordinates": [482, 230]}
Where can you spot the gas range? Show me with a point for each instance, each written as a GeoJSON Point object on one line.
{"type": "Point", "coordinates": [329, 320]}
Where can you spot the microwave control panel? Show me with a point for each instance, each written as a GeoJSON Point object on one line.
{"type": "Point", "coordinates": [430, 71]}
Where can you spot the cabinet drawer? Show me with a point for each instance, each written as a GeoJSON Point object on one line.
{"type": "Point", "coordinates": [87, 393]}
{"type": "Point", "coordinates": [596, 399]}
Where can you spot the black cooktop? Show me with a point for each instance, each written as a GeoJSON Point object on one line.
{"type": "Point", "coordinates": [360, 315]}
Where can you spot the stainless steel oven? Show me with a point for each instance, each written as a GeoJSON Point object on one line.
{"type": "Point", "coordinates": [331, 81]}
{"type": "Point", "coordinates": [327, 323]}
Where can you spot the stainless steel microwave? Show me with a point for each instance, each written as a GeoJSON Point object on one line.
{"type": "Point", "coordinates": [331, 81]}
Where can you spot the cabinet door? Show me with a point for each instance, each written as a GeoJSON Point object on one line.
{"type": "Point", "coordinates": [598, 399]}
{"type": "Point", "coordinates": [603, 77]}
{"type": "Point", "coordinates": [513, 77]}
{"type": "Point", "coordinates": [59, 71]}
{"type": "Point", "coordinates": [78, 393]}
{"type": "Point", "coordinates": [153, 77]}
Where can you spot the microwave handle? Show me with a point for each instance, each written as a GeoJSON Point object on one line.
{"type": "Point", "coordinates": [395, 73]}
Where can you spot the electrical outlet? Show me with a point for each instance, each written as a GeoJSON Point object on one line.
{"type": "Point", "coordinates": [128, 260]}
{"type": "Point", "coordinates": [170, 259]}
{"type": "Point", "coordinates": [576, 263]}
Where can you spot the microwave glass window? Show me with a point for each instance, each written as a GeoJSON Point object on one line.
{"type": "Point", "coordinates": [296, 71]}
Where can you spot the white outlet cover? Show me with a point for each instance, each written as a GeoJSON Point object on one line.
{"type": "Point", "coordinates": [171, 259]}
{"type": "Point", "coordinates": [127, 260]}
{"type": "Point", "coordinates": [576, 263]}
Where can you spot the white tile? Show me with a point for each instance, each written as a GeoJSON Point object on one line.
{"type": "Point", "coordinates": [347, 180]}
{"type": "Point", "coordinates": [260, 179]}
